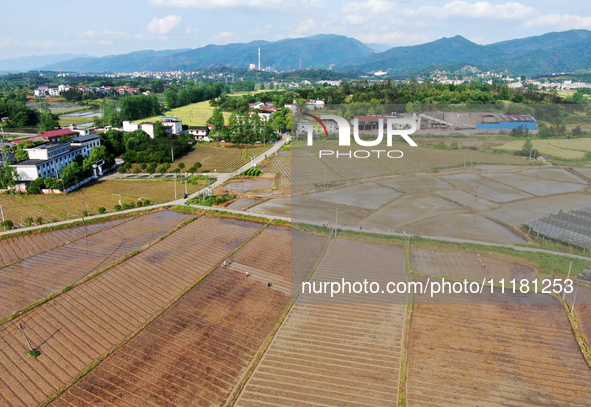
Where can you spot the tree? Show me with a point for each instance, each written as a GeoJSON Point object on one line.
{"type": "Point", "coordinates": [181, 165]}
{"type": "Point", "coordinates": [121, 170]}
{"type": "Point", "coordinates": [8, 177]}
{"type": "Point", "coordinates": [454, 145]}
{"type": "Point", "coordinates": [7, 224]}
{"type": "Point", "coordinates": [218, 122]}
{"type": "Point", "coordinates": [151, 169]}
{"type": "Point", "coordinates": [48, 121]}
{"type": "Point", "coordinates": [21, 155]}
{"type": "Point", "coordinates": [162, 170]}
{"type": "Point", "coordinates": [136, 170]}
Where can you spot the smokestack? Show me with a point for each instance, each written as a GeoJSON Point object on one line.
{"type": "Point", "coordinates": [259, 58]}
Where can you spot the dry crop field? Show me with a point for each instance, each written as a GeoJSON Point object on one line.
{"type": "Point", "coordinates": [279, 256]}
{"type": "Point", "coordinates": [495, 350]}
{"type": "Point", "coordinates": [80, 325]}
{"type": "Point", "coordinates": [334, 354]}
{"type": "Point", "coordinates": [194, 354]}
{"type": "Point", "coordinates": [470, 265]}
{"type": "Point", "coordinates": [221, 159]}
{"type": "Point", "coordinates": [20, 247]}
{"type": "Point", "coordinates": [280, 164]}
{"type": "Point", "coordinates": [36, 277]}
{"type": "Point", "coordinates": [154, 190]}
{"type": "Point", "coordinates": [17, 209]}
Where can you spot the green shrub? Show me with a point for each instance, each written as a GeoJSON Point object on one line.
{"type": "Point", "coordinates": [7, 224]}
{"type": "Point", "coordinates": [28, 221]}
{"type": "Point", "coordinates": [102, 210]}
{"type": "Point", "coordinates": [146, 202]}
{"type": "Point", "coordinates": [117, 207]}
{"type": "Point", "coordinates": [139, 204]}
{"type": "Point", "coordinates": [84, 214]}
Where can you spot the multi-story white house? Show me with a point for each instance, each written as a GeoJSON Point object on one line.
{"type": "Point", "coordinates": [46, 160]}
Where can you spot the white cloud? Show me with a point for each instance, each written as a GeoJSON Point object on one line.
{"type": "Point", "coordinates": [88, 34]}
{"type": "Point", "coordinates": [5, 43]}
{"type": "Point", "coordinates": [563, 20]}
{"type": "Point", "coordinates": [163, 26]}
{"type": "Point", "coordinates": [306, 26]}
{"type": "Point", "coordinates": [209, 4]}
{"type": "Point", "coordinates": [225, 36]}
{"type": "Point", "coordinates": [360, 13]}
{"type": "Point", "coordinates": [480, 9]}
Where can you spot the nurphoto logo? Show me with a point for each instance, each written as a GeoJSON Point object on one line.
{"type": "Point", "coordinates": [394, 127]}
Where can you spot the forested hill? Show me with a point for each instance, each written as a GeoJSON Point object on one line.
{"type": "Point", "coordinates": [568, 51]}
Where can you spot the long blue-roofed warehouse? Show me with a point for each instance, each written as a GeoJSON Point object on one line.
{"type": "Point", "coordinates": [508, 122]}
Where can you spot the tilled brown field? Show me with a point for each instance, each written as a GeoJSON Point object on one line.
{"type": "Point", "coordinates": [513, 350]}
{"type": "Point", "coordinates": [20, 247]}
{"type": "Point", "coordinates": [470, 265]}
{"type": "Point", "coordinates": [77, 327]}
{"type": "Point", "coordinates": [279, 256]}
{"type": "Point", "coordinates": [36, 277]}
{"type": "Point", "coordinates": [194, 354]}
{"type": "Point", "coordinates": [336, 354]}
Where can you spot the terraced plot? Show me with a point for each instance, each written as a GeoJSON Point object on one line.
{"type": "Point", "coordinates": [194, 354]}
{"type": "Point", "coordinates": [20, 247]}
{"type": "Point", "coordinates": [333, 354]}
{"type": "Point", "coordinates": [36, 277]}
{"type": "Point", "coordinates": [470, 265]}
{"type": "Point", "coordinates": [514, 350]}
{"type": "Point", "coordinates": [80, 325]}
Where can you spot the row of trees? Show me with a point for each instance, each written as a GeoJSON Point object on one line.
{"type": "Point", "coordinates": [138, 147]}
{"type": "Point", "coordinates": [194, 94]}
{"type": "Point", "coordinates": [249, 129]}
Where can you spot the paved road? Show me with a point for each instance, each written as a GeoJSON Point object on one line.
{"type": "Point", "coordinates": [223, 177]}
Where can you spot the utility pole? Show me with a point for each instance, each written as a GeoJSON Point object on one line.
{"type": "Point", "coordinates": [32, 352]}
{"type": "Point", "coordinates": [119, 198]}
{"type": "Point", "coordinates": [172, 153]}
{"type": "Point", "coordinates": [530, 150]}
{"type": "Point", "coordinates": [186, 187]}
{"type": "Point", "coordinates": [2, 210]}
{"type": "Point", "coordinates": [65, 199]}
{"type": "Point", "coordinates": [569, 269]}
{"type": "Point", "coordinates": [336, 221]}
{"type": "Point", "coordinates": [175, 185]}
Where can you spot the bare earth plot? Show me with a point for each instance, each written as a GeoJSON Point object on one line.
{"type": "Point", "coordinates": [333, 354]}
{"type": "Point", "coordinates": [195, 353]}
{"type": "Point", "coordinates": [36, 277]}
{"type": "Point", "coordinates": [17, 209]}
{"type": "Point", "coordinates": [20, 247]}
{"type": "Point", "coordinates": [582, 308]}
{"type": "Point", "coordinates": [415, 184]}
{"type": "Point", "coordinates": [513, 350]}
{"type": "Point", "coordinates": [470, 265]}
{"type": "Point", "coordinates": [80, 325]}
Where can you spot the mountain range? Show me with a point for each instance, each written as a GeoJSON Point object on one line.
{"type": "Point", "coordinates": [554, 52]}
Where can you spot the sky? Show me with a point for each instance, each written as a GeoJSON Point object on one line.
{"type": "Point", "coordinates": [109, 27]}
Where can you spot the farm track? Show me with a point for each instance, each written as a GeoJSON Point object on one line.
{"type": "Point", "coordinates": [331, 353]}
{"type": "Point", "coordinates": [197, 351]}
{"type": "Point", "coordinates": [36, 277]}
{"type": "Point", "coordinates": [79, 326]}
{"type": "Point", "coordinates": [511, 351]}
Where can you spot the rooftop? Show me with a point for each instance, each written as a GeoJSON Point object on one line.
{"type": "Point", "coordinates": [29, 162]}
{"type": "Point", "coordinates": [82, 139]}
{"type": "Point", "coordinates": [57, 133]}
